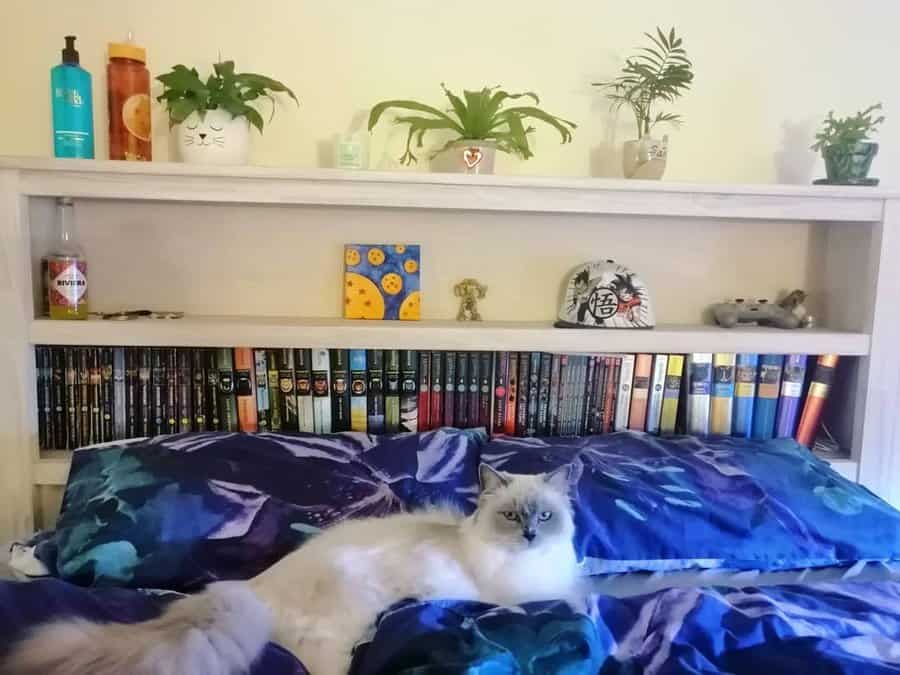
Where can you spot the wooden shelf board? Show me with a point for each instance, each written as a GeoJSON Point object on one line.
{"type": "Point", "coordinates": [175, 182]}
{"type": "Point", "coordinates": [261, 331]}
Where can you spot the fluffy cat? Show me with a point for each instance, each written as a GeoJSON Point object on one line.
{"type": "Point", "coordinates": [324, 597]}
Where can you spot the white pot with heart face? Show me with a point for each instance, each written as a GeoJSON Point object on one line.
{"type": "Point", "coordinates": [213, 138]}
{"type": "Point", "coordinates": [467, 156]}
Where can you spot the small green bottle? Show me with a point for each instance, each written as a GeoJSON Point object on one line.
{"type": "Point", "coordinates": [67, 268]}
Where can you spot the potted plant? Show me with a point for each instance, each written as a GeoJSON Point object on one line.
{"type": "Point", "coordinates": [211, 119]}
{"type": "Point", "coordinates": [481, 121]}
{"type": "Point", "coordinates": [657, 74]}
{"type": "Point", "coordinates": [843, 142]}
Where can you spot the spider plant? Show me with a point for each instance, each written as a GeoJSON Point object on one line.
{"type": "Point", "coordinates": [476, 116]}
{"type": "Point", "coordinates": [659, 73]}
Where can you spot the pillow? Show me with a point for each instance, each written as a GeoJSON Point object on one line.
{"type": "Point", "coordinates": [647, 503]}
{"type": "Point", "coordinates": [179, 511]}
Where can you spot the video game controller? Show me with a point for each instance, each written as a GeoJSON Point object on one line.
{"type": "Point", "coordinates": [763, 312]}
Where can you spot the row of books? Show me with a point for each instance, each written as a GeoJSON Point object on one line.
{"type": "Point", "coordinates": [95, 394]}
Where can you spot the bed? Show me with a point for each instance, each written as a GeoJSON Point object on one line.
{"type": "Point", "coordinates": [704, 555]}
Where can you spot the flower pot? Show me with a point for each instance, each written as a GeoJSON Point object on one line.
{"type": "Point", "coordinates": [645, 158]}
{"type": "Point", "coordinates": [848, 164]}
{"type": "Point", "coordinates": [214, 138]}
{"type": "Point", "coordinates": [464, 156]}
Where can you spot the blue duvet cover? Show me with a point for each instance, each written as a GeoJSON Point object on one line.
{"type": "Point", "coordinates": [841, 628]}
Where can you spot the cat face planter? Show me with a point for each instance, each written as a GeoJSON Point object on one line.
{"type": "Point", "coordinates": [474, 157]}
{"type": "Point", "coordinates": [216, 138]}
{"type": "Point", "coordinates": [645, 158]}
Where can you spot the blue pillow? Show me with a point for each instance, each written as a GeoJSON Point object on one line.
{"type": "Point", "coordinates": [179, 511]}
{"type": "Point", "coordinates": [646, 503]}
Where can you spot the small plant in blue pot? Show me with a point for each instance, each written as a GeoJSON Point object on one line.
{"type": "Point", "coordinates": [845, 147]}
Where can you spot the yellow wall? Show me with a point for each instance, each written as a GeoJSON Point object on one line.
{"type": "Point", "coordinates": [766, 70]}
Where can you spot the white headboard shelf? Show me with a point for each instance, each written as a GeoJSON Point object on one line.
{"type": "Point", "coordinates": [253, 256]}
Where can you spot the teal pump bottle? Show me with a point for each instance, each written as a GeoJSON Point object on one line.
{"type": "Point", "coordinates": [73, 106]}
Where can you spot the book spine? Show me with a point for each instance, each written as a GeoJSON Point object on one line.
{"type": "Point", "coordinates": [303, 390]}
{"type": "Point", "coordinates": [553, 402]}
{"type": "Point", "coordinates": [392, 391]}
{"type": "Point", "coordinates": [671, 394]}
{"type": "Point", "coordinates": [157, 392]}
{"type": "Point", "coordinates": [286, 382]}
{"type": "Point", "coordinates": [543, 419]}
{"type": "Point", "coordinates": [485, 391]}
{"type": "Point", "coordinates": [699, 385]}
{"type": "Point", "coordinates": [460, 415]}
{"type": "Point", "coordinates": [171, 379]}
{"type": "Point", "coordinates": [568, 374]}
{"type": "Point", "coordinates": [198, 386]}
{"type": "Point", "coordinates": [132, 397]}
{"type": "Point", "coordinates": [657, 386]}
{"type": "Point", "coordinates": [84, 396]}
{"type": "Point", "coordinates": [745, 374]}
{"type": "Point", "coordinates": [623, 396]}
{"type": "Point", "coordinates": [228, 419]}
{"type": "Point", "coordinates": [611, 399]}
{"type": "Point", "coordinates": [276, 405]}
{"type": "Point", "coordinates": [120, 410]}
{"type": "Point", "coordinates": [767, 388]}
{"type": "Point", "coordinates": [819, 389]}
{"type": "Point", "coordinates": [213, 420]}
{"type": "Point", "coordinates": [358, 396]}
{"type": "Point", "coordinates": [587, 396]}
{"type": "Point", "coordinates": [145, 391]}
{"type": "Point", "coordinates": [73, 417]}
{"type": "Point", "coordinates": [261, 377]}
{"type": "Point", "coordinates": [501, 373]}
{"type": "Point", "coordinates": [450, 389]}
{"type": "Point", "coordinates": [108, 394]}
{"type": "Point", "coordinates": [582, 394]}
{"type": "Point", "coordinates": [340, 389]}
{"type": "Point", "coordinates": [424, 421]}
{"type": "Point", "coordinates": [473, 410]}
{"type": "Point", "coordinates": [375, 373]}
{"type": "Point", "coordinates": [185, 387]}
{"type": "Point", "coordinates": [640, 391]}
{"type": "Point", "coordinates": [437, 391]}
{"type": "Point", "coordinates": [95, 374]}
{"type": "Point", "coordinates": [409, 399]}
{"type": "Point", "coordinates": [44, 397]}
{"type": "Point", "coordinates": [512, 393]}
{"type": "Point", "coordinates": [321, 391]}
{"type": "Point", "coordinates": [524, 385]}
{"type": "Point", "coordinates": [534, 387]}
{"type": "Point", "coordinates": [722, 399]}
{"type": "Point", "coordinates": [60, 435]}
{"type": "Point", "coordinates": [792, 380]}
{"type": "Point", "coordinates": [598, 395]}
{"type": "Point", "coordinates": [245, 389]}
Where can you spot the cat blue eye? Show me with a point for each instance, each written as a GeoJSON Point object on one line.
{"type": "Point", "coordinates": [510, 515]}
{"type": "Point", "coordinates": [546, 515]}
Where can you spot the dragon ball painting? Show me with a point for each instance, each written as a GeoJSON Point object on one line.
{"type": "Point", "coordinates": [381, 281]}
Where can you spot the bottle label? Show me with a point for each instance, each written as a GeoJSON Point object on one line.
{"type": "Point", "coordinates": [68, 283]}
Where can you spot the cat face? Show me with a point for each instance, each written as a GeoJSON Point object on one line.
{"type": "Point", "coordinates": [203, 133]}
{"type": "Point", "coordinates": [524, 512]}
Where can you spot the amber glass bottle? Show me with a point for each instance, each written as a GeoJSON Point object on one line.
{"type": "Point", "coordinates": [128, 85]}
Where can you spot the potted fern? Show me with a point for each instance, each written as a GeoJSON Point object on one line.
{"type": "Point", "coordinates": [844, 144]}
{"type": "Point", "coordinates": [659, 73]}
{"type": "Point", "coordinates": [211, 118]}
{"type": "Point", "coordinates": [481, 121]}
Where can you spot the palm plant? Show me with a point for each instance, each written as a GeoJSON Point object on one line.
{"type": "Point", "coordinates": [658, 73]}
{"type": "Point", "coordinates": [477, 116]}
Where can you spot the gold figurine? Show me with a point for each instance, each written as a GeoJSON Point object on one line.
{"type": "Point", "coordinates": [471, 291]}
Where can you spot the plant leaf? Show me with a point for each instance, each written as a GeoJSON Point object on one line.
{"type": "Point", "coordinates": [379, 109]}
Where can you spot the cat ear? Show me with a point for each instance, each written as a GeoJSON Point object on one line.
{"type": "Point", "coordinates": [560, 479]}
{"type": "Point", "coordinates": [490, 479]}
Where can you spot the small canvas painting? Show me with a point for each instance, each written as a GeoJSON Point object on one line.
{"type": "Point", "coordinates": [381, 281]}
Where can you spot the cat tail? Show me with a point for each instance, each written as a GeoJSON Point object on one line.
{"type": "Point", "coordinates": [220, 631]}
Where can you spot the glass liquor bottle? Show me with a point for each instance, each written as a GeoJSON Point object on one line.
{"type": "Point", "coordinates": [66, 268]}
